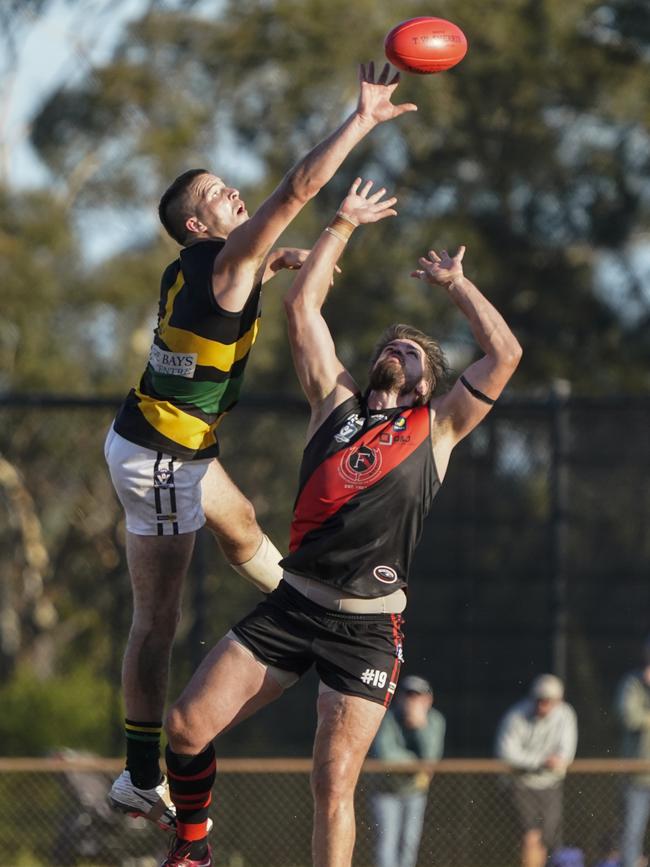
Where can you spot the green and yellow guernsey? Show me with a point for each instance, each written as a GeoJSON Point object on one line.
{"type": "Point", "coordinates": [196, 364]}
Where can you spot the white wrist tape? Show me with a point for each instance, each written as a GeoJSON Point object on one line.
{"type": "Point", "coordinates": [263, 569]}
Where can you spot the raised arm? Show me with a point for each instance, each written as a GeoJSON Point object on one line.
{"type": "Point", "coordinates": [248, 244]}
{"type": "Point", "coordinates": [324, 380]}
{"type": "Point", "coordinates": [473, 395]}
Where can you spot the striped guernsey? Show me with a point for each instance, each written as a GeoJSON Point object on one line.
{"type": "Point", "coordinates": [196, 364]}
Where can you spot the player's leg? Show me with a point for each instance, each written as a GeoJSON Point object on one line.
{"type": "Point", "coordinates": [346, 727]}
{"type": "Point", "coordinates": [157, 566]}
{"type": "Point", "coordinates": [229, 685]}
{"type": "Point", "coordinates": [231, 517]}
{"type": "Point", "coordinates": [161, 497]}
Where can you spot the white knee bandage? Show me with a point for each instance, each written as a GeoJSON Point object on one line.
{"type": "Point", "coordinates": [263, 568]}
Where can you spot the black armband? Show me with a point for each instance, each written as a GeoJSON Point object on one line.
{"type": "Point", "coordinates": [476, 393]}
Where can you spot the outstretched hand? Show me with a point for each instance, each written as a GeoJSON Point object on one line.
{"type": "Point", "coordinates": [440, 270]}
{"type": "Point", "coordinates": [374, 97]}
{"type": "Point", "coordinates": [360, 207]}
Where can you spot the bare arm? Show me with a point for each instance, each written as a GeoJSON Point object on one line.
{"type": "Point", "coordinates": [459, 411]}
{"type": "Point", "coordinates": [248, 244]}
{"type": "Point", "coordinates": [324, 379]}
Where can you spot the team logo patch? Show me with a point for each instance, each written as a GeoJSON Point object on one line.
{"type": "Point", "coordinates": [399, 424]}
{"type": "Point", "coordinates": [163, 478]}
{"type": "Point", "coordinates": [360, 465]}
{"type": "Point", "coordinates": [399, 651]}
{"type": "Point", "coordinates": [385, 574]}
{"type": "Point", "coordinates": [352, 427]}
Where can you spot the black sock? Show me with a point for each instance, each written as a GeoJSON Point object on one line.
{"type": "Point", "coordinates": [190, 785]}
{"type": "Point", "coordinates": [143, 752]}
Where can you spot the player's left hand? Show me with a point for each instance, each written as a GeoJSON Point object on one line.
{"type": "Point", "coordinates": [374, 104]}
{"type": "Point", "coordinates": [291, 258]}
{"type": "Point", "coordinates": [360, 207]}
{"type": "Point", "coordinates": [441, 269]}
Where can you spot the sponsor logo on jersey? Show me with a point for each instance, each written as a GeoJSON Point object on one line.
{"type": "Point", "coordinates": [351, 428]}
{"type": "Point", "coordinates": [360, 465]}
{"type": "Point", "coordinates": [387, 439]}
{"type": "Point", "coordinates": [385, 574]}
{"type": "Point", "coordinates": [173, 363]}
{"type": "Point", "coordinates": [399, 424]}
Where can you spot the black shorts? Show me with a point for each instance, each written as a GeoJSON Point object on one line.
{"type": "Point", "coordinates": [539, 809]}
{"type": "Point", "coordinates": [356, 654]}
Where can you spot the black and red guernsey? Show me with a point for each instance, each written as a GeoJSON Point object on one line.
{"type": "Point", "coordinates": [367, 481]}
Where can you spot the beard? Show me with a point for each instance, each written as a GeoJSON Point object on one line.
{"type": "Point", "coordinates": [388, 375]}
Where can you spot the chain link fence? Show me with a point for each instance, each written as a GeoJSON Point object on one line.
{"type": "Point", "coordinates": [548, 501]}
{"type": "Point", "coordinates": [54, 812]}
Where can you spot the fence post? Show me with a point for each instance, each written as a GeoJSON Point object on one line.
{"type": "Point", "coordinates": [559, 522]}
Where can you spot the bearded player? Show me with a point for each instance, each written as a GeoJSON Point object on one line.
{"type": "Point", "coordinates": [373, 463]}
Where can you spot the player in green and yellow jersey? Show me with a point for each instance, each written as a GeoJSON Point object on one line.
{"type": "Point", "coordinates": [162, 447]}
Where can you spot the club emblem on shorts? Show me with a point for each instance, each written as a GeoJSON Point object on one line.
{"type": "Point", "coordinates": [400, 423]}
{"type": "Point", "coordinates": [385, 574]}
{"type": "Point", "coordinates": [163, 477]}
{"type": "Point", "coordinates": [360, 465]}
{"type": "Point", "coordinates": [399, 651]}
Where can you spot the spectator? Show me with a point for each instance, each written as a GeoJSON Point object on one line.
{"type": "Point", "coordinates": [413, 730]}
{"type": "Point", "coordinates": [633, 705]}
{"type": "Point", "coordinates": [537, 737]}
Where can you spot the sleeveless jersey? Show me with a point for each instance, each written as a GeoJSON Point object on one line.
{"type": "Point", "coordinates": [367, 481]}
{"type": "Point", "coordinates": [196, 364]}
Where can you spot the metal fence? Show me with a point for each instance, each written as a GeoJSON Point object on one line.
{"type": "Point", "coordinates": [54, 812]}
{"type": "Point", "coordinates": [535, 557]}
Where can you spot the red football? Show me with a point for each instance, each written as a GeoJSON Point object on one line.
{"type": "Point", "coordinates": [425, 45]}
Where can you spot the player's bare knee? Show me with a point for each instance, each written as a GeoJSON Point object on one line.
{"type": "Point", "coordinates": [182, 731]}
{"type": "Point", "coordinates": [160, 623]}
{"type": "Point", "coordinates": [329, 786]}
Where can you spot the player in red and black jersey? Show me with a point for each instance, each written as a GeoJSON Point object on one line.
{"type": "Point", "coordinates": [372, 465]}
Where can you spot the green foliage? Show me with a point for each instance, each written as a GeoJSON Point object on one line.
{"type": "Point", "coordinates": [534, 152]}
{"type": "Point", "coordinates": [71, 710]}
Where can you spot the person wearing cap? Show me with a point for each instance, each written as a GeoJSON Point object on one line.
{"type": "Point", "coordinates": [537, 737]}
{"type": "Point", "coordinates": [412, 730]}
{"type": "Point", "coordinates": [633, 707]}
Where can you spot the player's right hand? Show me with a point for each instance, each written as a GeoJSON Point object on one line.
{"type": "Point", "coordinates": [374, 104]}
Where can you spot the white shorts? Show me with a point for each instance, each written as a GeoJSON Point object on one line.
{"type": "Point", "coordinates": [160, 494]}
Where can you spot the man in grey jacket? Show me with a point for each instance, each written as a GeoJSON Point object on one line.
{"type": "Point", "coordinates": [412, 730]}
{"type": "Point", "coordinates": [633, 706]}
{"type": "Point", "coordinates": [537, 737]}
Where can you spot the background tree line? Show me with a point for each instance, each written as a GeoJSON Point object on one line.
{"type": "Point", "coordinates": [534, 153]}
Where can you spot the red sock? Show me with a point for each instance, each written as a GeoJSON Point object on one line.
{"type": "Point", "coordinates": [190, 785]}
